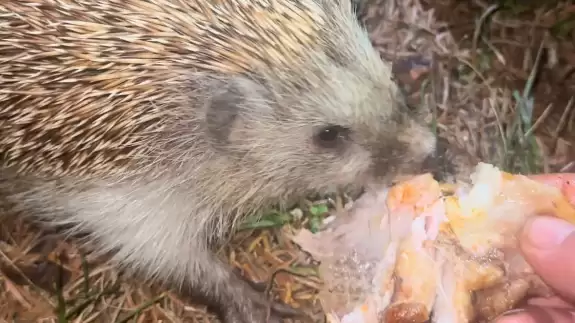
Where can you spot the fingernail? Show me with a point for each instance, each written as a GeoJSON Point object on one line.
{"type": "Point", "coordinates": [507, 317]}
{"type": "Point", "coordinates": [544, 232]}
{"type": "Point", "coordinates": [512, 312]}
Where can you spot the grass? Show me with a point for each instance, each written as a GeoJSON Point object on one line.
{"type": "Point", "coordinates": [521, 152]}
{"type": "Point", "coordinates": [475, 112]}
{"type": "Point", "coordinates": [312, 217]}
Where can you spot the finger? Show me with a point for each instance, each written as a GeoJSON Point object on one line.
{"type": "Point", "coordinates": [552, 302]}
{"type": "Point", "coordinates": [536, 314]}
{"type": "Point", "coordinates": [548, 245]}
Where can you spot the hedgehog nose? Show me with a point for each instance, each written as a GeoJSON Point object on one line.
{"type": "Point", "coordinates": [385, 167]}
{"type": "Point", "coordinates": [437, 163]}
{"type": "Point", "coordinates": [376, 184]}
{"type": "Point", "coordinates": [401, 158]}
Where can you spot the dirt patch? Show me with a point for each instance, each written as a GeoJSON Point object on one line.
{"type": "Point", "coordinates": [466, 85]}
{"type": "Point", "coordinates": [504, 39]}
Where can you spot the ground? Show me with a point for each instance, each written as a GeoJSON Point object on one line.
{"type": "Point", "coordinates": [473, 64]}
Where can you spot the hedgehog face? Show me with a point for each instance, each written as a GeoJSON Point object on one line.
{"type": "Point", "coordinates": [328, 117]}
{"type": "Point", "coordinates": [319, 140]}
{"type": "Point", "coordinates": [368, 137]}
{"type": "Point", "coordinates": [366, 116]}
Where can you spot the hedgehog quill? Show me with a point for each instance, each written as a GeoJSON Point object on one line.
{"type": "Point", "coordinates": [154, 126]}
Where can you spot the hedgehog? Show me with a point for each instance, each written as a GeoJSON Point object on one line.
{"type": "Point", "coordinates": [155, 126]}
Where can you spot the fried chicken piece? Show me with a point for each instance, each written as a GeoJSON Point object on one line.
{"type": "Point", "coordinates": [423, 251]}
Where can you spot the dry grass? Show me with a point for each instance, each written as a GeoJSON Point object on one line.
{"type": "Point", "coordinates": [479, 82]}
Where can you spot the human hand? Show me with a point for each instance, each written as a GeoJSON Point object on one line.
{"type": "Point", "coordinates": [548, 244]}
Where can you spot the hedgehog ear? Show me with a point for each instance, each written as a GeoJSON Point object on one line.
{"type": "Point", "coordinates": [222, 112]}
{"type": "Point", "coordinates": [229, 100]}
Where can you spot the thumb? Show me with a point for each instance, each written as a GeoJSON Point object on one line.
{"type": "Point", "coordinates": [548, 244]}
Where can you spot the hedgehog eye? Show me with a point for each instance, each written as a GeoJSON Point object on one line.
{"type": "Point", "coordinates": [331, 136]}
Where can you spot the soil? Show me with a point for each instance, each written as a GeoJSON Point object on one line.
{"type": "Point", "coordinates": [510, 38]}
{"type": "Point", "coordinates": [469, 83]}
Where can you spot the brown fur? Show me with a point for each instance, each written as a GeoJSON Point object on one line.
{"type": "Point", "coordinates": [155, 125]}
